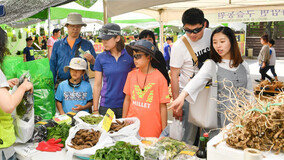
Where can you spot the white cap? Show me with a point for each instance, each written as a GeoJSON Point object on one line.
{"type": "Point", "coordinates": [76, 64]}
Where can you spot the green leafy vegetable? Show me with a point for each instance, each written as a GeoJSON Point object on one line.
{"type": "Point", "coordinates": [120, 151]}
{"type": "Point", "coordinates": [92, 119]}
{"type": "Point", "coordinates": [59, 131]}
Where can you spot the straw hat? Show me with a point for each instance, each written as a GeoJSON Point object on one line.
{"type": "Point", "coordinates": [75, 19]}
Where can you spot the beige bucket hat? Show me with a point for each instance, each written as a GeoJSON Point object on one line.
{"type": "Point", "coordinates": [77, 64]}
{"type": "Point", "coordinates": [75, 19]}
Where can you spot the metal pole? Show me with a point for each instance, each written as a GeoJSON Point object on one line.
{"type": "Point", "coordinates": [48, 22]}
{"type": "Point", "coordinates": [105, 12]}
{"type": "Point", "coordinates": [161, 31]}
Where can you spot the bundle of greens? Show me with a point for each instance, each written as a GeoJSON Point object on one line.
{"type": "Point", "coordinates": [59, 131]}
{"type": "Point", "coordinates": [121, 150]}
{"type": "Point", "coordinates": [90, 119]}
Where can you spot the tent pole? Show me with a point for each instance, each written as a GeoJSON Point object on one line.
{"type": "Point", "coordinates": [105, 11]}
{"type": "Point", "coordinates": [161, 31]}
{"type": "Point", "coordinates": [48, 22]}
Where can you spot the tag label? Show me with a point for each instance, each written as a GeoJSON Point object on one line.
{"type": "Point", "coordinates": [107, 120]}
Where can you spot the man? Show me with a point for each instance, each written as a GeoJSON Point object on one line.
{"type": "Point", "coordinates": [65, 49]}
{"type": "Point", "coordinates": [182, 65]}
{"type": "Point", "coordinates": [50, 42]}
{"type": "Point", "coordinates": [167, 51]}
{"type": "Point", "coordinates": [28, 52]}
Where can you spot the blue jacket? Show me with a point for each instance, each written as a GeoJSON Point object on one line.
{"type": "Point", "coordinates": [62, 55]}
{"type": "Point", "coordinates": [167, 52]}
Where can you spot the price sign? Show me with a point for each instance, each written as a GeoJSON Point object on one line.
{"type": "Point", "coordinates": [108, 119]}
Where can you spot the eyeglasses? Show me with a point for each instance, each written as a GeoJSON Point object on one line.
{"type": "Point", "coordinates": [138, 56]}
{"type": "Point", "coordinates": [105, 31]}
{"type": "Point", "coordinates": [195, 31]}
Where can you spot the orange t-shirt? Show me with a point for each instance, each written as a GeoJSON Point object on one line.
{"type": "Point", "coordinates": [145, 105]}
{"type": "Point", "coordinates": [71, 42]}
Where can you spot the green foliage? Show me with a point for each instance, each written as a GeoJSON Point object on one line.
{"type": "Point", "coordinates": [86, 3]}
{"type": "Point", "coordinates": [121, 150]}
{"type": "Point", "coordinates": [59, 131]}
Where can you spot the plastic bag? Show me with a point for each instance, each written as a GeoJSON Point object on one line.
{"type": "Point", "coordinates": [9, 66]}
{"type": "Point", "coordinates": [24, 129]}
{"type": "Point", "coordinates": [82, 114]}
{"type": "Point", "coordinates": [42, 79]}
{"type": "Point", "coordinates": [44, 103]}
{"type": "Point", "coordinates": [130, 130]}
{"type": "Point", "coordinates": [104, 141]}
{"type": "Point", "coordinates": [165, 148]}
{"type": "Point", "coordinates": [24, 115]}
{"type": "Point", "coordinates": [176, 130]}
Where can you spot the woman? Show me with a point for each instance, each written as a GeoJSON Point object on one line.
{"type": "Point", "coordinates": [263, 59]}
{"type": "Point", "coordinates": [161, 64]}
{"type": "Point", "coordinates": [111, 67]}
{"type": "Point", "coordinates": [8, 103]}
{"type": "Point", "coordinates": [229, 65]}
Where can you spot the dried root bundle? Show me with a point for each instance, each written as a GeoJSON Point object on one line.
{"type": "Point", "coordinates": [255, 123]}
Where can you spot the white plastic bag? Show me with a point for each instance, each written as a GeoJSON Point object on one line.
{"type": "Point", "coordinates": [130, 130]}
{"type": "Point", "coordinates": [104, 141]}
{"type": "Point", "coordinates": [24, 130]}
{"type": "Point", "coordinates": [82, 114]}
{"type": "Point", "coordinates": [176, 130]}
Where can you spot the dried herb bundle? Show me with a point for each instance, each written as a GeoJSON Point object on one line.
{"type": "Point", "coordinates": [256, 123]}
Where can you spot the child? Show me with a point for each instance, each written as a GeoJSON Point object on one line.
{"type": "Point", "coordinates": [272, 59]}
{"type": "Point", "coordinates": [29, 50]}
{"type": "Point", "coordinates": [74, 94]}
{"type": "Point", "coordinates": [146, 91]}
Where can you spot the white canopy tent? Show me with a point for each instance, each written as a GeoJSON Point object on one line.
{"type": "Point", "coordinates": [170, 11]}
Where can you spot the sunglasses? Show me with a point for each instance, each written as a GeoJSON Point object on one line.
{"type": "Point", "coordinates": [195, 31]}
{"type": "Point", "coordinates": [138, 56]}
{"type": "Point", "coordinates": [105, 31]}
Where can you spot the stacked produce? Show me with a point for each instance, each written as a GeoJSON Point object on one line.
{"type": "Point", "coordinates": [121, 150]}
{"type": "Point", "coordinates": [255, 123]}
{"type": "Point", "coordinates": [92, 119]}
{"type": "Point", "coordinates": [85, 138]}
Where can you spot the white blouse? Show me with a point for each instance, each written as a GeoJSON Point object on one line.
{"type": "Point", "coordinates": [195, 85]}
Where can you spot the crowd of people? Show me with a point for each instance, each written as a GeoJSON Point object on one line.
{"type": "Point", "coordinates": [132, 80]}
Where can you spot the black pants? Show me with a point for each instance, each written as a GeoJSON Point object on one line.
{"type": "Point", "coordinates": [263, 72]}
{"type": "Point", "coordinates": [117, 111]}
{"type": "Point", "coordinates": [272, 69]}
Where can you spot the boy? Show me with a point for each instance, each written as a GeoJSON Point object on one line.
{"type": "Point", "coordinates": [29, 50]}
{"type": "Point", "coordinates": [74, 94]}
{"type": "Point", "coordinates": [272, 59]}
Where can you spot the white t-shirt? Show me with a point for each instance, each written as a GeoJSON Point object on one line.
{"type": "Point", "coordinates": [51, 41]}
{"type": "Point", "coordinates": [181, 58]}
{"type": "Point", "coordinates": [3, 81]}
{"type": "Point", "coordinates": [273, 57]}
{"type": "Point", "coordinates": [195, 85]}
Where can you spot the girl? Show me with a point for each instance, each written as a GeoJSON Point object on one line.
{"type": "Point", "coordinates": [263, 59]}
{"type": "Point", "coordinates": [146, 91]}
{"type": "Point", "coordinates": [8, 103]}
{"type": "Point", "coordinates": [111, 67]}
{"type": "Point", "coordinates": [229, 65]}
